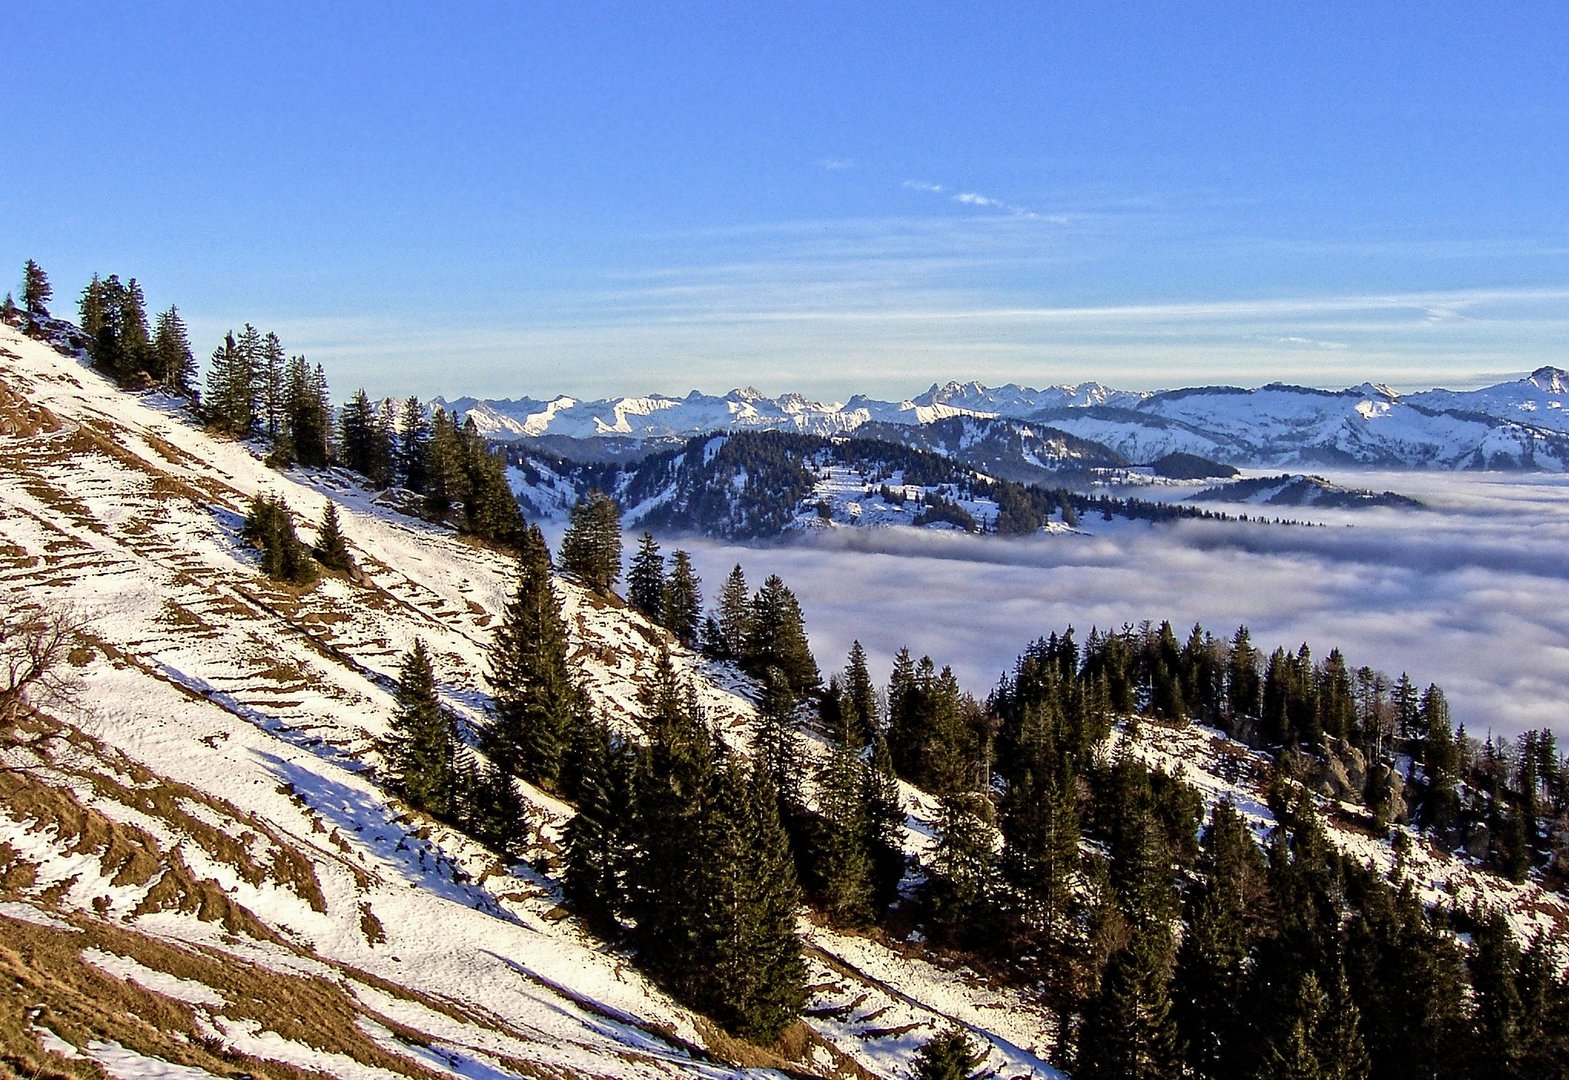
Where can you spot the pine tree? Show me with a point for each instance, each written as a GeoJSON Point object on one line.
{"type": "Point", "coordinates": [173, 364]}
{"type": "Point", "coordinates": [1212, 970]}
{"type": "Point", "coordinates": [490, 510]}
{"type": "Point", "coordinates": [777, 638]}
{"type": "Point", "coordinates": [135, 343]}
{"type": "Point", "coordinates": [421, 748]}
{"type": "Point", "coordinates": [842, 842]}
{"type": "Point", "coordinates": [446, 486]}
{"type": "Point", "coordinates": [1040, 830]}
{"type": "Point", "coordinates": [1127, 1031]}
{"type": "Point", "coordinates": [36, 291]}
{"type": "Point", "coordinates": [535, 702]}
{"type": "Point", "coordinates": [307, 414]}
{"type": "Point", "coordinates": [948, 1055]}
{"type": "Point", "coordinates": [646, 579]}
{"type": "Point", "coordinates": [498, 815]}
{"type": "Point", "coordinates": [591, 879]}
{"type": "Point", "coordinates": [332, 551]}
{"type": "Point", "coordinates": [591, 547]}
{"type": "Point", "coordinates": [673, 795]}
{"type": "Point", "coordinates": [414, 446]}
{"type": "Point", "coordinates": [270, 526]}
{"type": "Point", "coordinates": [778, 736]}
{"type": "Point", "coordinates": [363, 445]}
{"type": "Point", "coordinates": [885, 822]}
{"type": "Point", "coordinates": [227, 405]}
{"type": "Point", "coordinates": [861, 696]}
{"type": "Point", "coordinates": [682, 603]}
{"type": "Point", "coordinates": [273, 395]}
{"type": "Point", "coordinates": [734, 617]}
{"type": "Point", "coordinates": [961, 884]}
{"type": "Point", "coordinates": [750, 974]}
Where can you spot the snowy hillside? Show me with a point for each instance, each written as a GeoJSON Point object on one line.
{"type": "Point", "coordinates": [200, 874]}
{"type": "Point", "coordinates": [1517, 425]}
{"type": "Point", "coordinates": [214, 849]}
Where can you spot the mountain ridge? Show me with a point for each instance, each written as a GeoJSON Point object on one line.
{"type": "Point", "coordinates": [1520, 424]}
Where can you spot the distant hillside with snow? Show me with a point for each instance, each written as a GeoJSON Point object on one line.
{"type": "Point", "coordinates": [1514, 425]}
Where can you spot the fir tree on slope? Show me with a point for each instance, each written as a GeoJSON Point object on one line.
{"type": "Point", "coordinates": [682, 603]}
{"type": "Point", "coordinates": [734, 617]}
{"type": "Point", "coordinates": [949, 1055]}
{"type": "Point", "coordinates": [535, 702]}
{"type": "Point", "coordinates": [646, 579]}
{"type": "Point", "coordinates": [591, 547]}
{"type": "Point", "coordinates": [36, 291]}
{"type": "Point", "coordinates": [776, 638]}
{"type": "Point", "coordinates": [421, 750]}
{"type": "Point", "coordinates": [173, 364]}
{"type": "Point", "coordinates": [270, 526]}
{"type": "Point", "coordinates": [228, 404]}
{"type": "Point", "coordinates": [332, 550]}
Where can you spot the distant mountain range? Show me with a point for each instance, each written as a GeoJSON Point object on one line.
{"type": "Point", "coordinates": [1513, 425]}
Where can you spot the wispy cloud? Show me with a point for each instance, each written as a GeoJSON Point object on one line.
{"type": "Point", "coordinates": [836, 164]}
{"type": "Point", "coordinates": [985, 202]}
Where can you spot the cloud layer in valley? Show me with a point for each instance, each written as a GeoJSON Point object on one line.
{"type": "Point", "coordinates": [1472, 594]}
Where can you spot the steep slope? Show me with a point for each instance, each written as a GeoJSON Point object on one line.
{"type": "Point", "coordinates": [1538, 400]}
{"type": "Point", "coordinates": [219, 812]}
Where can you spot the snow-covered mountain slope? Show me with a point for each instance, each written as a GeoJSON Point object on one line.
{"type": "Point", "coordinates": [656, 415]}
{"type": "Point", "coordinates": [212, 853]}
{"type": "Point", "coordinates": [204, 877]}
{"type": "Point", "coordinates": [1517, 425]}
{"type": "Point", "coordinates": [763, 485]}
{"type": "Point", "coordinates": [1539, 399]}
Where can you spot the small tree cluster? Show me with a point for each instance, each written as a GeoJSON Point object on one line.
{"type": "Point", "coordinates": [270, 526]}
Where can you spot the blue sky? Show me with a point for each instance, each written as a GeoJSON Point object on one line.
{"type": "Point", "coordinates": [617, 198]}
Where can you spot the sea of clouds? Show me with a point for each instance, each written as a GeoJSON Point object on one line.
{"type": "Point", "coordinates": [1472, 594]}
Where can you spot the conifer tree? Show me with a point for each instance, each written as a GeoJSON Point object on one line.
{"type": "Point", "coordinates": [414, 446]}
{"type": "Point", "coordinates": [228, 405]}
{"type": "Point", "coordinates": [734, 616]}
{"type": "Point", "coordinates": [842, 847]}
{"type": "Point", "coordinates": [173, 365]}
{"type": "Point", "coordinates": [961, 884]}
{"type": "Point", "coordinates": [307, 434]}
{"type": "Point", "coordinates": [1212, 970]}
{"type": "Point", "coordinates": [860, 697]}
{"type": "Point", "coordinates": [270, 527]}
{"type": "Point", "coordinates": [1040, 830]}
{"type": "Point", "coordinates": [447, 484]}
{"type": "Point", "coordinates": [948, 1055]}
{"type": "Point", "coordinates": [498, 815]}
{"type": "Point", "coordinates": [646, 579]}
{"type": "Point", "coordinates": [490, 510]}
{"type": "Point", "coordinates": [535, 702]}
{"type": "Point", "coordinates": [591, 880]}
{"type": "Point", "coordinates": [421, 748]}
{"type": "Point", "coordinates": [750, 975]}
{"type": "Point", "coordinates": [36, 291]}
{"type": "Point", "coordinates": [777, 638]}
{"type": "Point", "coordinates": [778, 736]}
{"type": "Point", "coordinates": [1127, 1031]}
{"type": "Point", "coordinates": [135, 344]}
{"type": "Point", "coordinates": [363, 445]}
{"type": "Point", "coordinates": [673, 797]}
{"type": "Point", "coordinates": [270, 375]}
{"type": "Point", "coordinates": [682, 603]}
{"type": "Point", "coordinates": [885, 821]}
{"type": "Point", "coordinates": [332, 551]}
{"type": "Point", "coordinates": [591, 547]}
